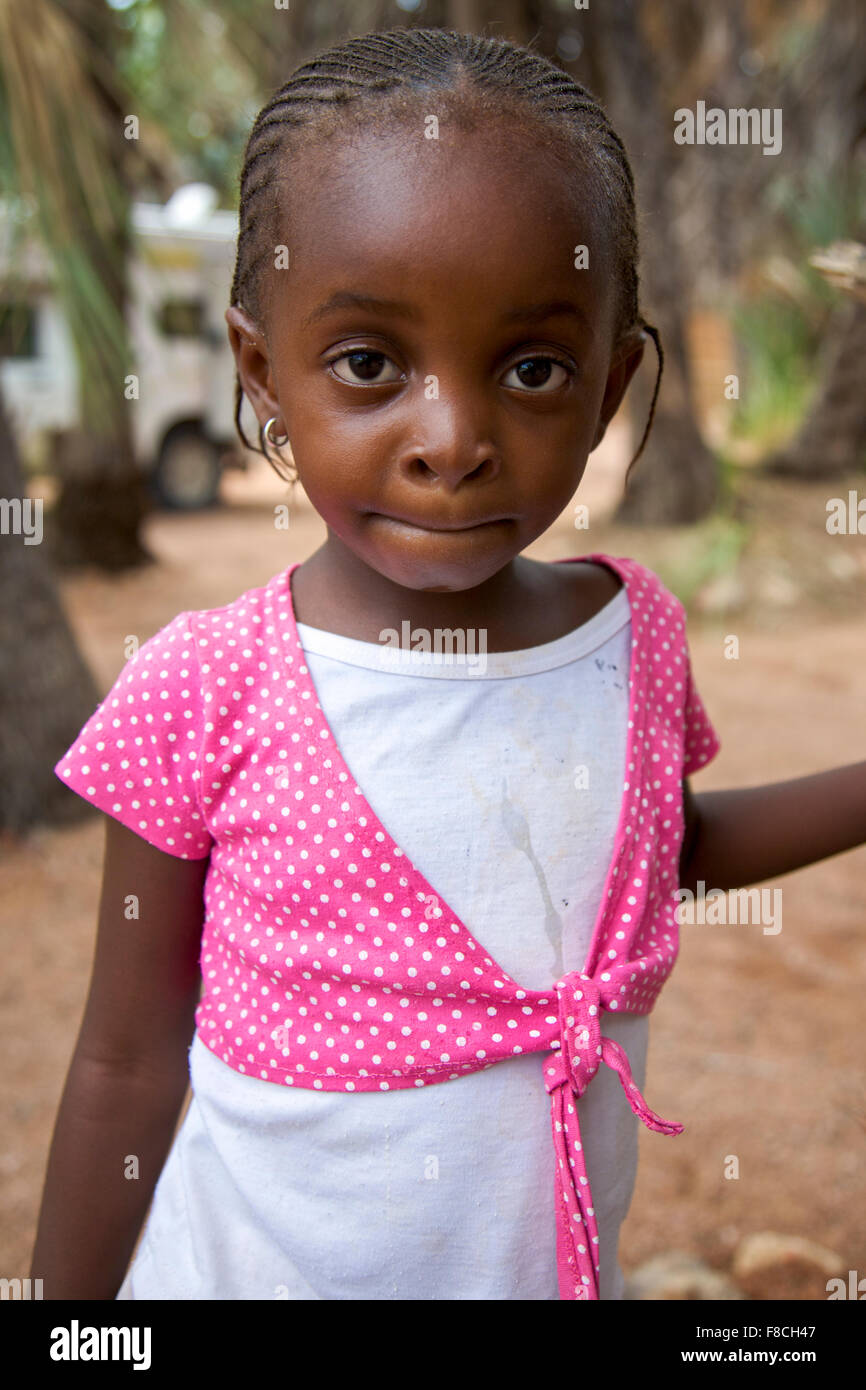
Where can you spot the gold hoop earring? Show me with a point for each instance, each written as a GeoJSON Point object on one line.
{"type": "Point", "coordinates": [267, 442]}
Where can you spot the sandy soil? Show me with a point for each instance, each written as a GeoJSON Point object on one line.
{"type": "Point", "coordinates": [757, 1041]}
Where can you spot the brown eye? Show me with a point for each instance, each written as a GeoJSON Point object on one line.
{"type": "Point", "coordinates": [538, 374]}
{"type": "Point", "coordinates": [366, 368]}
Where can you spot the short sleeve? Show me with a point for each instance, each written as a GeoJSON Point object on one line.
{"type": "Point", "coordinates": [136, 758]}
{"type": "Point", "coordinates": [701, 742]}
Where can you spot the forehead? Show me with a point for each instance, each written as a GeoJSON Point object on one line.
{"type": "Point", "coordinates": [480, 216]}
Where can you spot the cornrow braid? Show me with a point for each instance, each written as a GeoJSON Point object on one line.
{"type": "Point", "coordinates": [376, 78]}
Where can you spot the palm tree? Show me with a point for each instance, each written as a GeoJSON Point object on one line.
{"type": "Point", "coordinates": [65, 156]}
{"type": "Point", "coordinates": [46, 690]}
{"type": "Point", "coordinates": [56, 161]}
{"type": "Point", "coordinates": [676, 481]}
{"type": "Point", "coordinates": [829, 126]}
{"type": "Point", "coordinates": [66, 170]}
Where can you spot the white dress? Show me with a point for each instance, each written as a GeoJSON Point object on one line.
{"type": "Point", "coordinates": [502, 781]}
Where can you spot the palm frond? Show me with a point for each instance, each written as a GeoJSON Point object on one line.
{"type": "Point", "coordinates": [56, 156]}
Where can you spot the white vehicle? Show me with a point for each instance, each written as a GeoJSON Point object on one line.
{"type": "Point", "coordinates": [179, 286]}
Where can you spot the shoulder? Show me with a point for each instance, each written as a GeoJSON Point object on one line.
{"type": "Point", "coordinates": [253, 612]}
{"type": "Point", "coordinates": [136, 757]}
{"type": "Point", "coordinates": [648, 595]}
{"type": "Point", "coordinates": [163, 661]}
{"type": "Point", "coordinates": [166, 671]}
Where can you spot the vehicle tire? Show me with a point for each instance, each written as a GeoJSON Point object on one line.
{"type": "Point", "coordinates": [187, 474]}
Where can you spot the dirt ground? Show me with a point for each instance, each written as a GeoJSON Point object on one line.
{"type": "Point", "coordinates": [757, 1042]}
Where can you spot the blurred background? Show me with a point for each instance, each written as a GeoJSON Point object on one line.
{"type": "Point", "coordinates": [122, 126]}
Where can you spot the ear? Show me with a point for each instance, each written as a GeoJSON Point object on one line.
{"type": "Point", "coordinates": [624, 363]}
{"type": "Point", "coordinates": [253, 364]}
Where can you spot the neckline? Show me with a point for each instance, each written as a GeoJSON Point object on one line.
{"type": "Point", "coordinates": [303, 678]}
{"type": "Point", "coordinates": [573, 646]}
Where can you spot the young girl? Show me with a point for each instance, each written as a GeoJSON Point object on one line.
{"type": "Point", "coordinates": [392, 865]}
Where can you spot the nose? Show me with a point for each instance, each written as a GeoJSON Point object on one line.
{"type": "Point", "coordinates": [449, 448]}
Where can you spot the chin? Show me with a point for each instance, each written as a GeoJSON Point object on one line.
{"type": "Point", "coordinates": [440, 576]}
{"type": "Point", "coordinates": [444, 562]}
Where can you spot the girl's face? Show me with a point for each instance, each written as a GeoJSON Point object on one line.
{"type": "Point", "coordinates": [440, 365]}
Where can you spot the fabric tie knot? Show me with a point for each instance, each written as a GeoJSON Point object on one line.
{"type": "Point", "coordinates": [569, 1069]}
{"type": "Point", "coordinates": [581, 1048]}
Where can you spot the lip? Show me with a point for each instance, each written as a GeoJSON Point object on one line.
{"type": "Point", "coordinates": [444, 526]}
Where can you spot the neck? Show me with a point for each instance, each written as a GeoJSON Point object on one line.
{"type": "Point", "coordinates": [336, 590]}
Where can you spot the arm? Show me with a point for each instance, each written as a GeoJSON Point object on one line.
{"type": "Point", "coordinates": [129, 1071]}
{"type": "Point", "coordinates": [748, 834]}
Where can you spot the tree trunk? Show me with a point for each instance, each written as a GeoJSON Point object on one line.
{"type": "Point", "coordinates": [46, 691]}
{"type": "Point", "coordinates": [102, 498]}
{"type": "Point", "coordinates": [516, 20]}
{"type": "Point", "coordinates": [99, 508]}
{"type": "Point", "coordinates": [675, 482]}
{"type": "Point", "coordinates": [832, 439]}
{"type": "Point", "coordinates": [466, 16]}
{"type": "Point", "coordinates": [307, 30]}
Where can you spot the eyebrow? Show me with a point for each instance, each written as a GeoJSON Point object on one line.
{"type": "Point", "coordinates": [350, 299]}
{"type": "Point", "coordinates": [551, 309]}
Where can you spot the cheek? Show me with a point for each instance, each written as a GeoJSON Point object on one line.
{"type": "Point", "coordinates": [324, 423]}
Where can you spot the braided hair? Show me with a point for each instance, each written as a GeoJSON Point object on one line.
{"type": "Point", "coordinates": [374, 78]}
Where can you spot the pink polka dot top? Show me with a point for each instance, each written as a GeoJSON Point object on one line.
{"type": "Point", "coordinates": [321, 965]}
